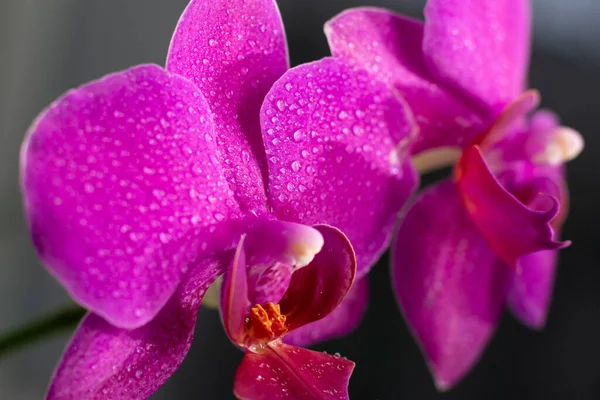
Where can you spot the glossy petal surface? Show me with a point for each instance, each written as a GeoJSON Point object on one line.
{"type": "Point", "coordinates": [481, 47]}
{"type": "Point", "coordinates": [336, 142]}
{"type": "Point", "coordinates": [317, 289]}
{"type": "Point", "coordinates": [121, 186]}
{"type": "Point", "coordinates": [287, 372]}
{"type": "Point", "coordinates": [343, 320]}
{"type": "Point", "coordinates": [389, 46]}
{"type": "Point", "coordinates": [233, 51]}
{"type": "Point", "coordinates": [448, 282]}
{"type": "Point", "coordinates": [511, 228]}
{"type": "Point", "coordinates": [104, 362]}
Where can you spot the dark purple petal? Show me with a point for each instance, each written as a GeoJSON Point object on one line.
{"type": "Point", "coordinates": [235, 296]}
{"type": "Point", "coordinates": [336, 142]}
{"type": "Point", "coordinates": [317, 289]}
{"type": "Point", "coordinates": [448, 282]}
{"type": "Point", "coordinates": [531, 290]}
{"type": "Point", "coordinates": [123, 189]}
{"type": "Point", "coordinates": [480, 47]}
{"type": "Point", "coordinates": [511, 228]}
{"type": "Point", "coordinates": [233, 51]}
{"type": "Point", "coordinates": [105, 362]}
{"type": "Point", "coordinates": [287, 372]}
{"type": "Point", "coordinates": [390, 47]}
{"type": "Point", "coordinates": [343, 320]}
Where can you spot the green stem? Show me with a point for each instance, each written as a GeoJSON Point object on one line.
{"type": "Point", "coordinates": [44, 327]}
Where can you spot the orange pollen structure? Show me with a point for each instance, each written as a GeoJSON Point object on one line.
{"type": "Point", "coordinates": [266, 323]}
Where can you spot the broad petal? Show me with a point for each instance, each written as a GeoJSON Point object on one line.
{"type": "Point", "coordinates": [480, 47]}
{"type": "Point", "coordinates": [287, 372]}
{"type": "Point", "coordinates": [336, 142]}
{"type": "Point", "coordinates": [233, 51]}
{"type": "Point", "coordinates": [531, 292]}
{"type": "Point", "coordinates": [511, 228]}
{"type": "Point", "coordinates": [105, 362]}
{"type": "Point", "coordinates": [317, 289]}
{"type": "Point", "coordinates": [390, 47]}
{"type": "Point", "coordinates": [448, 282]}
{"type": "Point", "coordinates": [235, 295]}
{"type": "Point", "coordinates": [343, 320]}
{"type": "Point", "coordinates": [122, 188]}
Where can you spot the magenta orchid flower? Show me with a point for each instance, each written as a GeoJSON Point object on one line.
{"type": "Point", "coordinates": [487, 237]}
{"type": "Point", "coordinates": [143, 187]}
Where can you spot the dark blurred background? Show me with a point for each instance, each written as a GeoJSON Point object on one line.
{"type": "Point", "coordinates": [47, 47]}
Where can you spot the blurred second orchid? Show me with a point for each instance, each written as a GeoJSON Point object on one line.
{"type": "Point", "coordinates": [143, 187]}
{"type": "Point", "coordinates": [469, 245]}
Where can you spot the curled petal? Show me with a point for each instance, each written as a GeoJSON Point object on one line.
{"type": "Point", "coordinates": [389, 46]}
{"type": "Point", "coordinates": [336, 142]}
{"type": "Point", "coordinates": [511, 228]}
{"type": "Point", "coordinates": [343, 320]}
{"type": "Point", "coordinates": [480, 47]}
{"type": "Point", "coordinates": [105, 362]}
{"type": "Point", "coordinates": [448, 282]}
{"type": "Point", "coordinates": [233, 51]}
{"type": "Point", "coordinates": [122, 189]}
{"type": "Point", "coordinates": [287, 372]}
{"type": "Point", "coordinates": [317, 289]}
{"type": "Point", "coordinates": [235, 295]}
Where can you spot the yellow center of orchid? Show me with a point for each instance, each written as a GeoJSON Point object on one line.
{"type": "Point", "coordinates": [565, 145]}
{"type": "Point", "coordinates": [266, 323]}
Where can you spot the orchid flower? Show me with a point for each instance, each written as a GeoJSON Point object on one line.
{"type": "Point", "coordinates": [143, 187]}
{"type": "Point", "coordinates": [487, 237]}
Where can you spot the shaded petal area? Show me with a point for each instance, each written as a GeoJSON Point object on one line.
{"type": "Point", "coordinates": [448, 282]}
{"type": "Point", "coordinates": [122, 189]}
{"type": "Point", "coordinates": [511, 228]}
{"type": "Point", "coordinates": [390, 47]}
{"type": "Point", "coordinates": [480, 47]}
{"type": "Point", "coordinates": [105, 362]}
{"type": "Point", "coordinates": [317, 289]}
{"type": "Point", "coordinates": [287, 372]}
{"type": "Point", "coordinates": [233, 51]}
{"type": "Point", "coordinates": [343, 320]}
{"type": "Point", "coordinates": [531, 291]}
{"type": "Point", "coordinates": [336, 142]}
{"type": "Point", "coordinates": [235, 296]}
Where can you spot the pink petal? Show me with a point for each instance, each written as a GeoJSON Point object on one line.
{"type": "Point", "coordinates": [287, 372]}
{"type": "Point", "coordinates": [479, 47]}
{"type": "Point", "coordinates": [448, 282]}
{"type": "Point", "coordinates": [235, 296]}
{"type": "Point", "coordinates": [337, 141]}
{"type": "Point", "coordinates": [105, 362]}
{"type": "Point", "coordinates": [233, 51]}
{"type": "Point", "coordinates": [511, 228]}
{"type": "Point", "coordinates": [121, 185]}
{"type": "Point", "coordinates": [343, 320]}
{"type": "Point", "coordinates": [531, 291]}
{"type": "Point", "coordinates": [390, 47]}
{"type": "Point", "coordinates": [317, 289]}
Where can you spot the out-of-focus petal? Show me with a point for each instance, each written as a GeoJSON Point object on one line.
{"type": "Point", "coordinates": [479, 47]}
{"type": "Point", "coordinates": [235, 295]}
{"type": "Point", "coordinates": [511, 228]}
{"type": "Point", "coordinates": [531, 290]}
{"type": "Point", "coordinates": [105, 362]}
{"type": "Point", "coordinates": [122, 189]}
{"type": "Point", "coordinates": [233, 51]}
{"type": "Point", "coordinates": [390, 47]}
{"type": "Point", "coordinates": [336, 142]}
{"type": "Point", "coordinates": [287, 372]}
{"type": "Point", "coordinates": [343, 320]}
{"type": "Point", "coordinates": [448, 282]}
{"type": "Point", "coordinates": [317, 289]}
